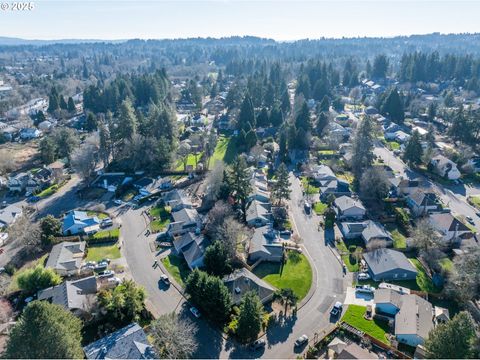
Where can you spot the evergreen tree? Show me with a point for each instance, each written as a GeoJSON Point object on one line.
{"type": "Point", "coordinates": [62, 103]}
{"type": "Point", "coordinates": [48, 150]}
{"type": "Point", "coordinates": [250, 317]}
{"type": "Point", "coordinates": [281, 188]}
{"type": "Point", "coordinates": [250, 139]}
{"type": "Point", "coordinates": [322, 122]}
{"type": "Point", "coordinates": [126, 121]}
{"type": "Point", "coordinates": [380, 67]}
{"type": "Point", "coordinates": [393, 106]}
{"type": "Point", "coordinates": [286, 106]}
{"type": "Point", "coordinates": [453, 339]}
{"type": "Point", "coordinates": [282, 146]}
{"type": "Point", "coordinates": [238, 179]}
{"type": "Point", "coordinates": [276, 116]}
{"type": "Point", "coordinates": [246, 118]}
{"type": "Point", "coordinates": [45, 331]}
{"type": "Point", "coordinates": [302, 118]}
{"type": "Point", "coordinates": [216, 259]}
{"type": "Point", "coordinates": [38, 278]}
{"type": "Point", "coordinates": [91, 122]}
{"type": "Point", "coordinates": [413, 151]}
{"type": "Point", "coordinates": [263, 120]}
{"type": "Point", "coordinates": [71, 105]}
{"type": "Point", "coordinates": [362, 147]}
{"type": "Point", "coordinates": [324, 105]}
{"type": "Point", "coordinates": [53, 101]}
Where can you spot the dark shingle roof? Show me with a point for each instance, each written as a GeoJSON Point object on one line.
{"type": "Point", "coordinates": [383, 260]}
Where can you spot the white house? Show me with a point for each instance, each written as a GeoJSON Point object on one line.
{"type": "Point", "coordinates": [445, 167]}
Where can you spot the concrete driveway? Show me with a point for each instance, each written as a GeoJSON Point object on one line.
{"type": "Point", "coordinates": [356, 298]}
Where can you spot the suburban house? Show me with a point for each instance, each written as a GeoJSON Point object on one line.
{"type": "Point", "coordinates": [367, 230]}
{"type": "Point", "coordinates": [414, 320]}
{"type": "Point", "coordinates": [242, 281]}
{"type": "Point", "coordinates": [338, 349]}
{"type": "Point", "coordinates": [346, 207]}
{"type": "Point", "coordinates": [389, 131]}
{"type": "Point", "coordinates": [18, 183]}
{"type": "Point", "coordinates": [129, 342]}
{"type": "Point", "coordinates": [79, 222]}
{"type": "Point", "coordinates": [184, 220]}
{"type": "Point", "coordinates": [445, 167]}
{"type": "Point", "coordinates": [422, 202]}
{"type": "Point", "coordinates": [112, 181]}
{"type": "Point", "coordinates": [388, 264]}
{"type": "Point", "coordinates": [9, 215]}
{"type": "Point", "coordinates": [66, 257]}
{"type": "Point", "coordinates": [258, 214]}
{"type": "Point", "coordinates": [414, 316]}
{"type": "Point", "coordinates": [322, 172]}
{"type": "Point", "coordinates": [77, 296]}
{"type": "Point", "coordinates": [450, 228]}
{"type": "Point", "coordinates": [192, 247]}
{"type": "Point", "coordinates": [474, 164]}
{"type": "Point", "coordinates": [265, 245]}
{"type": "Point", "coordinates": [30, 133]}
{"type": "Point", "coordinates": [260, 195]}
{"type": "Point", "coordinates": [401, 186]}
{"type": "Point", "coordinates": [177, 200]}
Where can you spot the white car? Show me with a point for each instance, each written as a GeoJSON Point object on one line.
{"type": "Point", "coordinates": [363, 276]}
{"type": "Point", "coordinates": [470, 220]}
{"type": "Point", "coordinates": [106, 274]}
{"type": "Point", "coordinates": [195, 312]}
{"type": "Point", "coordinates": [301, 340]}
{"type": "Point", "coordinates": [118, 202]}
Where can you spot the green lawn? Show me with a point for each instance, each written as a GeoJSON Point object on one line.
{"type": "Point", "coordinates": [399, 239]}
{"type": "Point", "coordinates": [98, 214]}
{"type": "Point", "coordinates": [375, 328]}
{"type": "Point", "coordinates": [106, 234]}
{"type": "Point", "coordinates": [475, 201]}
{"type": "Point", "coordinates": [393, 145]}
{"type": "Point", "coordinates": [102, 251]}
{"type": "Point", "coordinates": [162, 216]}
{"type": "Point", "coordinates": [320, 207]}
{"type": "Point", "coordinates": [190, 161]}
{"type": "Point", "coordinates": [177, 267]}
{"type": "Point", "coordinates": [48, 191]}
{"type": "Point", "coordinates": [296, 274]}
{"type": "Point", "coordinates": [309, 186]}
{"type": "Point", "coordinates": [223, 151]}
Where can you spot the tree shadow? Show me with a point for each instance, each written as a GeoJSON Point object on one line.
{"type": "Point", "coordinates": [280, 329]}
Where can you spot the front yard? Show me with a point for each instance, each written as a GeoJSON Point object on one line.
{"type": "Point", "coordinates": [296, 274]}
{"type": "Point", "coordinates": [162, 218]}
{"type": "Point", "coordinates": [320, 207]}
{"type": "Point", "coordinates": [309, 186]}
{"type": "Point", "coordinates": [177, 268]}
{"type": "Point", "coordinates": [112, 234]}
{"type": "Point", "coordinates": [475, 201]}
{"type": "Point", "coordinates": [102, 251]}
{"type": "Point", "coordinates": [375, 328]}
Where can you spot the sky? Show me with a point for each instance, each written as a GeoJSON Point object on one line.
{"type": "Point", "coordinates": [277, 19]}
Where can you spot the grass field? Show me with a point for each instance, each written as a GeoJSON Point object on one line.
{"type": "Point", "coordinates": [106, 234]}
{"type": "Point", "coordinates": [224, 151]}
{"type": "Point", "coordinates": [177, 268]}
{"type": "Point", "coordinates": [375, 328]}
{"type": "Point", "coordinates": [102, 251]}
{"type": "Point", "coordinates": [190, 161]}
{"type": "Point", "coordinates": [162, 218]}
{"type": "Point", "coordinates": [296, 274]}
{"type": "Point", "coordinates": [320, 207]}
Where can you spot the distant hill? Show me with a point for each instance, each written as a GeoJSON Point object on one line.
{"type": "Point", "coordinates": [10, 41]}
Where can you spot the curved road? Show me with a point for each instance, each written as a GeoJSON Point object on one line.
{"type": "Point", "coordinates": [312, 318]}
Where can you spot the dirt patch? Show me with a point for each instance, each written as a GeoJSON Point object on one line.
{"type": "Point", "coordinates": [18, 156]}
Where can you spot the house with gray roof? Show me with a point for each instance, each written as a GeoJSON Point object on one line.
{"type": "Point", "coordinates": [387, 301]}
{"type": "Point", "coordinates": [366, 230]}
{"type": "Point", "coordinates": [422, 202]}
{"type": "Point", "coordinates": [177, 200]}
{"type": "Point", "coordinates": [129, 342]}
{"type": "Point", "coordinates": [79, 222]}
{"type": "Point", "coordinates": [414, 320]}
{"type": "Point", "coordinates": [184, 220]}
{"type": "Point", "coordinates": [258, 213]}
{"type": "Point", "coordinates": [346, 207]}
{"type": "Point", "coordinates": [9, 215]}
{"type": "Point", "coordinates": [242, 281]}
{"type": "Point", "coordinates": [388, 264]}
{"type": "Point", "coordinates": [66, 257]}
{"type": "Point", "coordinates": [192, 246]}
{"type": "Point", "coordinates": [76, 296]}
{"type": "Point", "coordinates": [449, 227]}
{"type": "Point", "coordinates": [265, 245]}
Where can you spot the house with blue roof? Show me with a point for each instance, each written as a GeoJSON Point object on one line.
{"type": "Point", "coordinates": [129, 342]}
{"type": "Point", "coordinates": [79, 222]}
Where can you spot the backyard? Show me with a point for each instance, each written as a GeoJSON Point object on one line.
{"type": "Point", "coordinates": [225, 150]}
{"type": "Point", "coordinates": [102, 251]}
{"type": "Point", "coordinates": [296, 274]}
{"type": "Point", "coordinates": [347, 249]}
{"type": "Point", "coordinates": [162, 218]}
{"type": "Point", "coordinates": [399, 239]}
{"type": "Point", "coordinates": [177, 268]}
{"type": "Point", "coordinates": [375, 328]}
{"type": "Point", "coordinates": [192, 160]}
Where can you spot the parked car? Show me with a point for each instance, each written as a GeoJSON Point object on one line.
{"type": "Point", "coordinates": [101, 266]}
{"type": "Point", "coordinates": [107, 222]}
{"type": "Point", "coordinates": [195, 312]}
{"type": "Point", "coordinates": [363, 276]}
{"type": "Point", "coordinates": [307, 207]}
{"type": "Point", "coordinates": [367, 289]}
{"type": "Point", "coordinates": [106, 274]}
{"type": "Point", "coordinates": [165, 279]}
{"type": "Point", "coordinates": [118, 202]}
{"type": "Point", "coordinates": [114, 281]}
{"type": "Point", "coordinates": [470, 220]}
{"type": "Point", "coordinates": [301, 340]}
{"type": "Point", "coordinates": [258, 344]}
{"type": "Point", "coordinates": [337, 309]}
{"type": "Point", "coordinates": [107, 260]}
{"type": "Point", "coordinates": [478, 214]}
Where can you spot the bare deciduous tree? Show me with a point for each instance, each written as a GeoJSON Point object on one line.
{"type": "Point", "coordinates": [86, 157]}
{"type": "Point", "coordinates": [464, 282]}
{"type": "Point", "coordinates": [374, 184]}
{"type": "Point", "coordinates": [214, 182]}
{"type": "Point", "coordinates": [376, 244]}
{"type": "Point", "coordinates": [6, 311]}
{"type": "Point", "coordinates": [173, 337]}
{"type": "Point", "coordinates": [27, 233]}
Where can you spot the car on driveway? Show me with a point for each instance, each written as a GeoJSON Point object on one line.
{"type": "Point", "coordinates": [118, 202]}
{"type": "Point", "coordinates": [106, 274]}
{"type": "Point", "coordinates": [337, 309]}
{"type": "Point", "coordinates": [106, 222]}
{"type": "Point", "coordinates": [165, 279]}
{"type": "Point", "coordinates": [363, 276]}
{"type": "Point", "coordinates": [366, 289]}
{"type": "Point", "coordinates": [258, 344]}
{"type": "Point", "coordinates": [195, 312]}
{"type": "Point", "coordinates": [301, 340]}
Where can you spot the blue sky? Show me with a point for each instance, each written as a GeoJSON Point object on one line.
{"type": "Point", "coordinates": [278, 19]}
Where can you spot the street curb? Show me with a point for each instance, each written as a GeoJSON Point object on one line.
{"type": "Point", "coordinates": [313, 287]}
